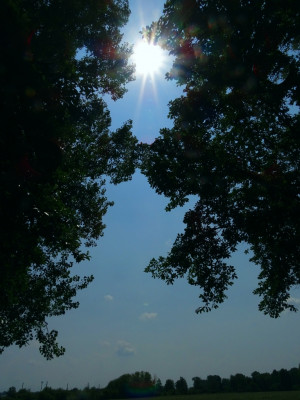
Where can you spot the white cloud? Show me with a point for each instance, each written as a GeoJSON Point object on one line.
{"type": "Point", "coordinates": [108, 297]}
{"type": "Point", "coordinates": [124, 349]}
{"type": "Point", "coordinates": [148, 315]}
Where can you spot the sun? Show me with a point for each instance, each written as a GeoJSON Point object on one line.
{"type": "Point", "coordinates": [148, 58]}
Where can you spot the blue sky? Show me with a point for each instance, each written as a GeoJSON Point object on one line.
{"type": "Point", "coordinates": [128, 321]}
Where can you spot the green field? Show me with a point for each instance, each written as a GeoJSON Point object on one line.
{"type": "Point", "coordinates": [236, 396]}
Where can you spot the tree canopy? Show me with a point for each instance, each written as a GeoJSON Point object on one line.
{"type": "Point", "coordinates": [234, 145]}
{"type": "Point", "coordinates": [139, 384]}
{"type": "Point", "coordinates": [58, 59]}
{"type": "Point", "coordinates": [181, 386]}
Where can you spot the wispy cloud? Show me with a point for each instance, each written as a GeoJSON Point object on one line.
{"type": "Point", "coordinates": [124, 349]}
{"type": "Point", "coordinates": [104, 343]}
{"type": "Point", "coordinates": [169, 243]}
{"type": "Point", "coordinates": [148, 315]}
{"type": "Point", "coordinates": [108, 297]}
{"type": "Point", "coordinates": [294, 300]}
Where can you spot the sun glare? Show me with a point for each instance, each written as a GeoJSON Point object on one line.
{"type": "Point", "coordinates": [148, 58]}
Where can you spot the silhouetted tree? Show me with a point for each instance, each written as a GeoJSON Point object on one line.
{"type": "Point", "coordinates": [234, 144]}
{"type": "Point", "coordinates": [275, 380]}
{"type": "Point", "coordinates": [226, 387]}
{"type": "Point", "coordinates": [181, 386]}
{"type": "Point", "coordinates": [169, 387]}
{"type": "Point", "coordinates": [63, 395]}
{"type": "Point", "coordinates": [285, 382]}
{"type": "Point", "coordinates": [158, 387]}
{"type": "Point", "coordinates": [46, 394]}
{"type": "Point", "coordinates": [239, 383]}
{"type": "Point", "coordinates": [213, 384]}
{"type": "Point", "coordinates": [57, 59]}
{"type": "Point", "coordinates": [117, 388]}
{"type": "Point", "coordinates": [295, 378]}
{"type": "Point", "coordinates": [24, 394]}
{"type": "Point", "coordinates": [261, 382]}
{"type": "Point", "coordinates": [198, 385]}
{"type": "Point", "coordinates": [12, 392]}
{"type": "Point", "coordinates": [139, 384]}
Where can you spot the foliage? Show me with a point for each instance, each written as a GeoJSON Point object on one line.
{"type": "Point", "coordinates": [181, 386]}
{"type": "Point", "coordinates": [199, 385]}
{"type": "Point", "coordinates": [58, 59]}
{"type": "Point", "coordinates": [139, 384]}
{"type": "Point", "coordinates": [169, 387]}
{"type": "Point", "coordinates": [158, 387]}
{"type": "Point", "coordinates": [234, 145]}
{"type": "Point", "coordinates": [213, 384]}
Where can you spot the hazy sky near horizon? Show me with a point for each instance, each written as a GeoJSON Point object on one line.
{"type": "Point", "coordinates": [128, 321]}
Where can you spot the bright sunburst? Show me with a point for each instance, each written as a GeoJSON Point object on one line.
{"type": "Point", "coordinates": [148, 58]}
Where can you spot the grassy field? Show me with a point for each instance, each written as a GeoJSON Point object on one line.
{"type": "Point", "coordinates": [237, 396]}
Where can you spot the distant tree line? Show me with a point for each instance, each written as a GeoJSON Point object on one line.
{"type": "Point", "coordinates": [142, 384]}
